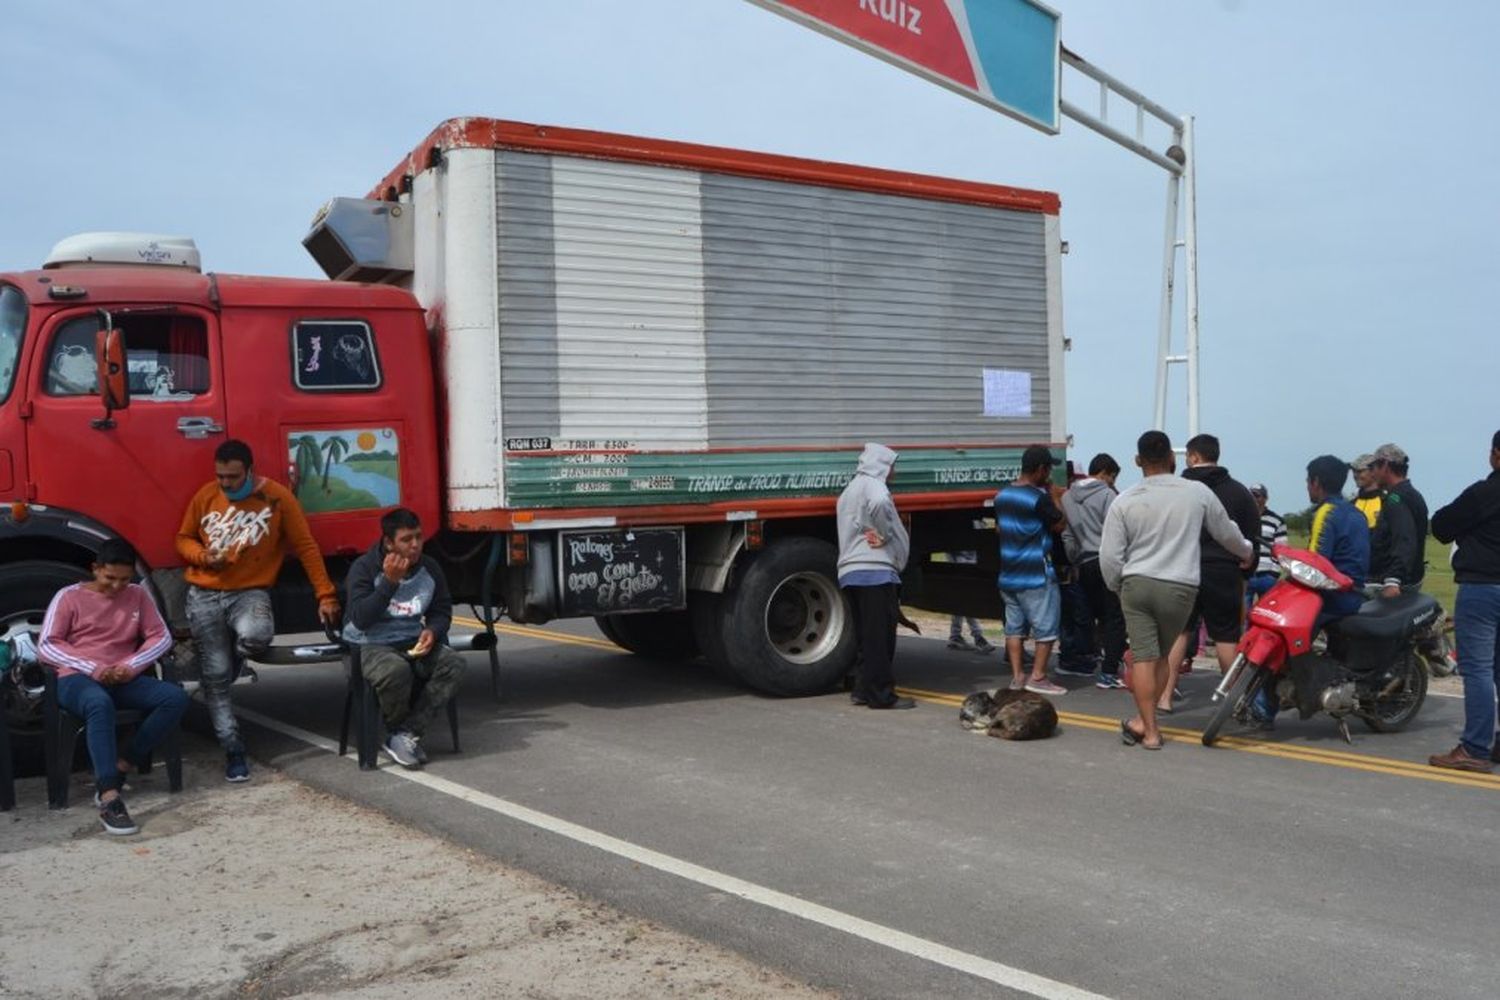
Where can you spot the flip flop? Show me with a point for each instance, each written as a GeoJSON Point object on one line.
{"type": "Point", "coordinates": [1129, 736]}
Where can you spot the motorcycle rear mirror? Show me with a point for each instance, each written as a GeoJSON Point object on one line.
{"type": "Point", "coordinates": [113, 375]}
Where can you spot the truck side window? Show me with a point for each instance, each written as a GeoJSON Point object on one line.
{"type": "Point", "coordinates": [12, 329]}
{"type": "Point", "coordinates": [166, 354]}
{"type": "Point", "coordinates": [334, 355]}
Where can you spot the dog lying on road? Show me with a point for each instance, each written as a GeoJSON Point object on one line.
{"type": "Point", "coordinates": [1009, 715]}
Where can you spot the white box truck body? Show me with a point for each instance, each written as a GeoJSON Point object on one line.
{"type": "Point", "coordinates": [635, 334]}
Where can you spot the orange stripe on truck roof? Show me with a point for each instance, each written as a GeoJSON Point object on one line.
{"type": "Point", "coordinates": [493, 133]}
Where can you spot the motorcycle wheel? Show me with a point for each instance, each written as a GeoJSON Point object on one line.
{"type": "Point", "coordinates": [1394, 711]}
{"type": "Point", "coordinates": [1246, 686]}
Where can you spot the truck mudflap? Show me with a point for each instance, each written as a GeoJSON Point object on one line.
{"type": "Point", "coordinates": [612, 572]}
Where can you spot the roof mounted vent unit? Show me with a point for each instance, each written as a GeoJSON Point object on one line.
{"type": "Point", "coordinates": [125, 250]}
{"type": "Point", "coordinates": [356, 239]}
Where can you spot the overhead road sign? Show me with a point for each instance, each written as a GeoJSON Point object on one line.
{"type": "Point", "coordinates": [1001, 53]}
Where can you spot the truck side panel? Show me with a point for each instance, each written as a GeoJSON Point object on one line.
{"type": "Point", "coordinates": [657, 324]}
{"type": "Point", "coordinates": [867, 317]}
{"type": "Point", "coordinates": [777, 314]}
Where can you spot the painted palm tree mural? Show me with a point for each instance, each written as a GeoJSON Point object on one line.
{"type": "Point", "coordinates": [335, 447]}
{"type": "Point", "coordinates": [306, 456]}
{"type": "Point", "coordinates": [353, 469]}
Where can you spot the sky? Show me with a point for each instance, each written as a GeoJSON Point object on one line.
{"type": "Point", "coordinates": [1347, 203]}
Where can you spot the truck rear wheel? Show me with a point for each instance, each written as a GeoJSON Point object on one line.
{"type": "Point", "coordinates": [661, 635]}
{"type": "Point", "coordinates": [786, 627]}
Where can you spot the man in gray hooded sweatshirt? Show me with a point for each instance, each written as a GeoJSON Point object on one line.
{"type": "Point", "coordinates": [399, 613]}
{"type": "Point", "coordinates": [873, 546]}
{"type": "Point", "coordinates": [1085, 504]}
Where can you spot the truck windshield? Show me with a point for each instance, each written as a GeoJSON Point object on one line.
{"type": "Point", "coordinates": [12, 329]}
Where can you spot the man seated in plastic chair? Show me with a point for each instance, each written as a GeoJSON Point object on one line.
{"type": "Point", "coordinates": [399, 611]}
{"type": "Point", "coordinates": [101, 636]}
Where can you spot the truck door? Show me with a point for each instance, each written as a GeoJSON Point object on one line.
{"type": "Point", "coordinates": [137, 475]}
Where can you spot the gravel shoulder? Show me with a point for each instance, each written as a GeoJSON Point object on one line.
{"type": "Point", "coordinates": [273, 890]}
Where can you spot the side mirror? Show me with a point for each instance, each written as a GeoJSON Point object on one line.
{"type": "Point", "coordinates": [112, 374]}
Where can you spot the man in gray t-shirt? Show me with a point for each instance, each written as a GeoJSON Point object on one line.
{"type": "Point", "coordinates": [399, 612]}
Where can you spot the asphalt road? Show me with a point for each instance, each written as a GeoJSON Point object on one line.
{"type": "Point", "coordinates": [893, 854]}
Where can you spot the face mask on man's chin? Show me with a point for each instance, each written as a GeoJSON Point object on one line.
{"type": "Point", "coordinates": [246, 487]}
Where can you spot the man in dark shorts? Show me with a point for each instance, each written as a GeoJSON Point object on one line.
{"type": "Point", "coordinates": [1220, 606]}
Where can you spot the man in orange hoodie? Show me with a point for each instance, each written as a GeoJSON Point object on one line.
{"type": "Point", "coordinates": [233, 538]}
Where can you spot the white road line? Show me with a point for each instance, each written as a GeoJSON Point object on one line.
{"type": "Point", "coordinates": [909, 944]}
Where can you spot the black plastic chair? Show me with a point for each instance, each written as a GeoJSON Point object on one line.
{"type": "Point", "coordinates": [363, 707]}
{"type": "Point", "coordinates": [60, 737]}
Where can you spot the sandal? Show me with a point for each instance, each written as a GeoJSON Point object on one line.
{"type": "Point", "coordinates": [1131, 738]}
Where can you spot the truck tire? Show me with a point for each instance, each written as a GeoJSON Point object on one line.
{"type": "Point", "coordinates": [606, 627]}
{"type": "Point", "coordinates": [786, 627]}
{"type": "Point", "coordinates": [26, 588]}
{"type": "Point", "coordinates": [660, 635]}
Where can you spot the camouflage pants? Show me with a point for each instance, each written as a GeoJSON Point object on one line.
{"type": "Point", "coordinates": [229, 627]}
{"type": "Point", "coordinates": [411, 691]}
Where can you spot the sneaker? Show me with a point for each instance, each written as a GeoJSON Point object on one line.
{"type": "Point", "coordinates": [1017, 683]}
{"type": "Point", "coordinates": [894, 704]}
{"type": "Point", "coordinates": [1458, 759]}
{"type": "Point", "coordinates": [236, 768]}
{"type": "Point", "coordinates": [983, 645]}
{"type": "Point", "coordinates": [116, 820]}
{"type": "Point", "coordinates": [416, 748]}
{"type": "Point", "coordinates": [1045, 686]}
{"type": "Point", "coordinates": [401, 748]}
{"type": "Point", "coordinates": [1076, 668]}
{"type": "Point", "coordinates": [1109, 682]}
{"type": "Point", "coordinates": [958, 642]}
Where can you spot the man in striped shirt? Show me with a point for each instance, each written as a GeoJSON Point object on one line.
{"type": "Point", "coordinates": [1026, 518]}
{"type": "Point", "coordinates": [101, 636]}
{"type": "Point", "coordinates": [1272, 532]}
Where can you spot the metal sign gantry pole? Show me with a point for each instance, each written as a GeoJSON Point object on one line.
{"type": "Point", "coordinates": [1179, 161]}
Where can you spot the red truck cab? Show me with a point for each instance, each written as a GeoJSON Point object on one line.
{"type": "Point", "coordinates": [330, 383]}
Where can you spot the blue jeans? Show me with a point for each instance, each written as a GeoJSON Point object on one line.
{"type": "Point", "coordinates": [1257, 585]}
{"type": "Point", "coordinates": [95, 704]}
{"type": "Point", "coordinates": [956, 627]}
{"type": "Point", "coordinates": [1036, 612]}
{"type": "Point", "coordinates": [1476, 631]}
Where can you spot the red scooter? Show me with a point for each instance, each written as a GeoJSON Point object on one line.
{"type": "Point", "coordinates": [1368, 666]}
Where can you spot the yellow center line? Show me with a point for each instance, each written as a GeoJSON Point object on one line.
{"type": "Point", "coordinates": [531, 632]}
{"type": "Point", "coordinates": [1104, 723]}
{"type": "Point", "coordinates": [1314, 755]}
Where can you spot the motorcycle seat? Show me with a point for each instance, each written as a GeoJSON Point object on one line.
{"type": "Point", "coordinates": [1390, 617]}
